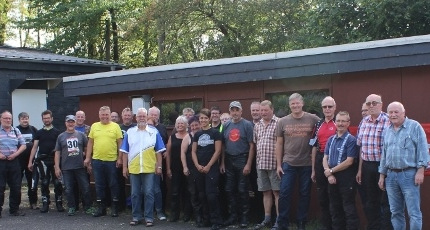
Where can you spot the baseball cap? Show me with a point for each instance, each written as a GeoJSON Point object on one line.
{"type": "Point", "coordinates": [235, 104]}
{"type": "Point", "coordinates": [70, 118]}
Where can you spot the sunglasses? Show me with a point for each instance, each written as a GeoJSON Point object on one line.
{"type": "Point", "coordinates": [374, 103]}
{"type": "Point", "coordinates": [327, 106]}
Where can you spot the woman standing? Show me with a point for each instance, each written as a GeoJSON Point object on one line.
{"type": "Point", "coordinates": [174, 172]}
{"type": "Point", "coordinates": [205, 152]}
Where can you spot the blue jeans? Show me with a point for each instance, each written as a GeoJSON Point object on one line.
{"type": "Point", "coordinates": [105, 171]}
{"type": "Point", "coordinates": [81, 176]}
{"type": "Point", "coordinates": [142, 185]}
{"type": "Point", "coordinates": [402, 190]}
{"type": "Point", "coordinates": [158, 196]}
{"type": "Point", "coordinates": [288, 180]}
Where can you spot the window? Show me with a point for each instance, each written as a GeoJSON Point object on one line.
{"type": "Point", "coordinates": [170, 110]}
{"type": "Point", "coordinates": [312, 100]}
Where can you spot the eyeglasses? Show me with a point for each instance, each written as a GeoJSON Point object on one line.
{"type": "Point", "coordinates": [341, 121]}
{"type": "Point", "coordinates": [374, 103]}
{"type": "Point", "coordinates": [327, 106]}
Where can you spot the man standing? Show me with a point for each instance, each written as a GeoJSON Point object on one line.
{"type": "Point", "coordinates": [45, 140]}
{"type": "Point", "coordinates": [339, 168]}
{"type": "Point", "coordinates": [70, 149]}
{"type": "Point", "coordinates": [12, 144]}
{"type": "Point", "coordinates": [255, 112]}
{"type": "Point", "coordinates": [103, 148]}
{"type": "Point", "coordinates": [369, 138]}
{"type": "Point", "coordinates": [324, 129]}
{"type": "Point", "coordinates": [114, 117]}
{"type": "Point", "coordinates": [141, 148]}
{"type": "Point", "coordinates": [265, 140]}
{"type": "Point", "coordinates": [293, 159]}
{"type": "Point", "coordinates": [215, 118]}
{"type": "Point", "coordinates": [404, 158]}
{"type": "Point", "coordinates": [237, 160]}
{"type": "Point", "coordinates": [80, 125]}
{"type": "Point", "coordinates": [127, 119]}
{"type": "Point", "coordinates": [188, 113]}
{"type": "Point", "coordinates": [160, 188]}
{"type": "Point", "coordinates": [28, 132]}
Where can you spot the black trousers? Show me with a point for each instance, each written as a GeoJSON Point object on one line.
{"type": "Point", "coordinates": [10, 173]}
{"type": "Point", "coordinates": [377, 208]}
{"type": "Point", "coordinates": [322, 191]}
{"type": "Point", "coordinates": [342, 200]}
{"type": "Point", "coordinates": [237, 184]}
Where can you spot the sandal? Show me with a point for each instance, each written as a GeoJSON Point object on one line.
{"type": "Point", "coordinates": [149, 224]}
{"type": "Point", "coordinates": [134, 222]}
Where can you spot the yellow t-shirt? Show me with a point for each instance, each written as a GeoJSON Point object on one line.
{"type": "Point", "coordinates": [105, 138]}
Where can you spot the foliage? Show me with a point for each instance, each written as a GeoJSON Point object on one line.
{"type": "Point", "coordinates": [157, 32]}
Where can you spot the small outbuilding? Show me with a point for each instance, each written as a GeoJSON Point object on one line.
{"type": "Point", "coordinates": [31, 81]}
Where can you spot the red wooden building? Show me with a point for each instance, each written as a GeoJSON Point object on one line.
{"type": "Point", "coordinates": [397, 69]}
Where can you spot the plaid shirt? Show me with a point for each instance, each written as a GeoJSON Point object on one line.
{"type": "Point", "coordinates": [265, 139]}
{"type": "Point", "coordinates": [10, 141]}
{"type": "Point", "coordinates": [370, 136]}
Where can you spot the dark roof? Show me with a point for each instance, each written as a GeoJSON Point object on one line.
{"type": "Point", "coordinates": [364, 56]}
{"type": "Point", "coordinates": [8, 53]}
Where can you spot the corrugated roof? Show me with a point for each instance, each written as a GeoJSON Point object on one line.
{"type": "Point", "coordinates": [36, 55]}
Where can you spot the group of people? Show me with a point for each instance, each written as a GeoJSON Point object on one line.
{"type": "Point", "coordinates": [213, 154]}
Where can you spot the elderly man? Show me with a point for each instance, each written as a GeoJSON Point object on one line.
{"type": "Point", "coordinates": [141, 148]}
{"type": "Point", "coordinates": [80, 125]}
{"type": "Point", "coordinates": [404, 158]}
{"type": "Point", "coordinates": [237, 162]}
{"type": "Point", "coordinates": [324, 129]}
{"type": "Point", "coordinates": [339, 167]}
{"type": "Point", "coordinates": [293, 159]}
{"type": "Point", "coordinates": [188, 113]}
{"type": "Point", "coordinates": [103, 149]}
{"type": "Point", "coordinates": [12, 144]}
{"type": "Point", "coordinates": [369, 138]}
{"type": "Point", "coordinates": [265, 140]}
{"type": "Point", "coordinates": [160, 187]}
{"type": "Point", "coordinates": [364, 110]}
{"type": "Point", "coordinates": [44, 145]}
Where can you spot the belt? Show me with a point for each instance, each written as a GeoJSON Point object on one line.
{"type": "Point", "coordinates": [401, 170]}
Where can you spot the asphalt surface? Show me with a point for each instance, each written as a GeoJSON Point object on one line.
{"type": "Point", "coordinates": [34, 219]}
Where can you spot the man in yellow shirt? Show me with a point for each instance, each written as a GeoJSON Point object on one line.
{"type": "Point", "coordinates": [103, 157]}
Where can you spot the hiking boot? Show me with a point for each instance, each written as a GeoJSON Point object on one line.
{"type": "Point", "coordinates": [71, 212]}
{"type": "Point", "coordinates": [101, 209]}
{"type": "Point", "coordinates": [114, 209]}
{"type": "Point", "coordinates": [45, 205]}
{"type": "Point", "coordinates": [17, 213]}
{"type": "Point", "coordinates": [89, 211]}
{"type": "Point", "coordinates": [59, 205]}
{"type": "Point", "coordinates": [264, 224]}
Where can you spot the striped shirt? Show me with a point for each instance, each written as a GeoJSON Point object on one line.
{"type": "Point", "coordinates": [370, 136]}
{"type": "Point", "coordinates": [265, 139]}
{"type": "Point", "coordinates": [9, 141]}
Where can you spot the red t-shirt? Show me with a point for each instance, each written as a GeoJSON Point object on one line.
{"type": "Point", "coordinates": [326, 130]}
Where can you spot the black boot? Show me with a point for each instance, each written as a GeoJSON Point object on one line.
{"type": "Point", "coordinates": [59, 204]}
{"type": "Point", "coordinates": [45, 205]}
{"type": "Point", "coordinates": [232, 218]}
{"type": "Point", "coordinates": [245, 209]}
{"type": "Point", "coordinates": [114, 209]}
{"type": "Point", "coordinates": [101, 209]}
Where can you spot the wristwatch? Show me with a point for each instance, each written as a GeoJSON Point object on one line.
{"type": "Point", "coordinates": [159, 167]}
{"type": "Point", "coordinates": [331, 170]}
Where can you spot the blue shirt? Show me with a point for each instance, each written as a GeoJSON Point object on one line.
{"type": "Point", "coordinates": [10, 141]}
{"type": "Point", "coordinates": [404, 147]}
{"type": "Point", "coordinates": [339, 148]}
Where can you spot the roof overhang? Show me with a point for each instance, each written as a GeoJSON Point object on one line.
{"type": "Point", "coordinates": [364, 56]}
